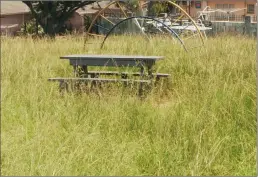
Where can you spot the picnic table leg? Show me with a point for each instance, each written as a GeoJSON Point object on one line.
{"type": "Point", "coordinates": [150, 74]}
{"type": "Point", "coordinates": [76, 70]}
{"type": "Point", "coordinates": [84, 71]}
{"type": "Point", "coordinates": [76, 74]}
{"type": "Point", "coordinates": [124, 76]}
{"type": "Point", "coordinates": [141, 84]}
{"type": "Point", "coordinates": [80, 72]}
{"type": "Point", "coordinates": [150, 70]}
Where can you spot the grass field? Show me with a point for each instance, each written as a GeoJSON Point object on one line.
{"type": "Point", "coordinates": [204, 123]}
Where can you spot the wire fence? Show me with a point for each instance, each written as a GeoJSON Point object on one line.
{"type": "Point", "coordinates": [254, 19]}
{"type": "Point", "coordinates": [230, 18]}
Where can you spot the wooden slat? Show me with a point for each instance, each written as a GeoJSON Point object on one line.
{"type": "Point", "coordinates": [96, 79]}
{"type": "Point", "coordinates": [104, 72]}
{"type": "Point", "coordinates": [114, 57]}
{"type": "Point", "coordinates": [125, 73]}
{"type": "Point", "coordinates": [154, 74]}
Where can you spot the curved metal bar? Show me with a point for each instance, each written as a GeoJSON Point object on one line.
{"type": "Point", "coordinates": [200, 34]}
{"type": "Point", "coordinates": [121, 9]}
{"type": "Point", "coordinates": [144, 17]}
{"type": "Point", "coordinates": [172, 3]}
{"type": "Point", "coordinates": [94, 20]}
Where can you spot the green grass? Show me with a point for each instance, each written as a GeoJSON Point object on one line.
{"type": "Point", "coordinates": [204, 123]}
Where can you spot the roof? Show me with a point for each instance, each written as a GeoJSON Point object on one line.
{"type": "Point", "coordinates": [18, 7]}
{"type": "Point", "coordinates": [9, 26]}
{"type": "Point", "coordinates": [251, 1]}
{"type": "Point", "coordinates": [101, 4]}
{"type": "Point", "coordinates": [95, 7]}
{"type": "Point", "coordinates": [86, 10]}
{"type": "Point", "coordinates": [13, 7]}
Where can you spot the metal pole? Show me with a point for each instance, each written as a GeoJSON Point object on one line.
{"type": "Point", "coordinates": [256, 78]}
{"type": "Point", "coordinates": [189, 7]}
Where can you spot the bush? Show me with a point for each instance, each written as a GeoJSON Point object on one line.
{"type": "Point", "coordinates": [31, 28]}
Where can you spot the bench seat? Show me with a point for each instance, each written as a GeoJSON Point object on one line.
{"type": "Point", "coordinates": [97, 80]}
{"type": "Point", "coordinates": [124, 73]}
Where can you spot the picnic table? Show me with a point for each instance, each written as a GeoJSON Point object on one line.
{"type": "Point", "coordinates": [80, 65]}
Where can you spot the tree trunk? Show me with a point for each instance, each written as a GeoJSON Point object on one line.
{"type": "Point", "coordinates": [52, 15]}
{"type": "Point", "coordinates": [37, 27]}
{"type": "Point", "coordinates": [49, 28]}
{"type": "Point", "coordinates": [53, 26]}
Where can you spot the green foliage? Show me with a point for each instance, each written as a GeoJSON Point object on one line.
{"type": "Point", "coordinates": [133, 4]}
{"type": "Point", "coordinates": [87, 21]}
{"type": "Point", "coordinates": [159, 7]}
{"type": "Point", "coordinates": [31, 28]}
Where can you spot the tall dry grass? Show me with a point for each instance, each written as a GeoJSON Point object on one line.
{"type": "Point", "coordinates": [203, 124]}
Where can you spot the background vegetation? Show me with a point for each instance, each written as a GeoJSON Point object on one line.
{"type": "Point", "coordinates": [203, 124]}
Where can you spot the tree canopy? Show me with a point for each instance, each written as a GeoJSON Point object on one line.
{"type": "Point", "coordinates": [52, 15]}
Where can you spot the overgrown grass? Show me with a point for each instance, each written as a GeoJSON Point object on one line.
{"type": "Point", "coordinates": [205, 123]}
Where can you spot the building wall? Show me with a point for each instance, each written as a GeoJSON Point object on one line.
{"type": "Point", "coordinates": [16, 20]}
{"type": "Point", "coordinates": [76, 22]}
{"type": "Point", "coordinates": [212, 3]}
{"type": "Point", "coordinates": [194, 10]}
{"type": "Point", "coordinates": [237, 3]}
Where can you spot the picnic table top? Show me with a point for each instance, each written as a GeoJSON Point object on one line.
{"type": "Point", "coordinates": [116, 57]}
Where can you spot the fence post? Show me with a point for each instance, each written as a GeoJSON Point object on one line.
{"type": "Point", "coordinates": [248, 25]}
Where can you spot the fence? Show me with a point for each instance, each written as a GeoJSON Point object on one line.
{"type": "Point", "coordinates": [236, 18]}
{"type": "Point", "coordinates": [229, 18]}
{"type": "Point", "coordinates": [246, 27]}
{"type": "Point", "coordinates": [254, 19]}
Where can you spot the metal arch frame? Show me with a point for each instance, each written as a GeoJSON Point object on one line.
{"type": "Point", "coordinates": [144, 17]}
{"type": "Point", "coordinates": [200, 34]}
{"type": "Point", "coordinates": [117, 2]}
{"type": "Point", "coordinates": [99, 14]}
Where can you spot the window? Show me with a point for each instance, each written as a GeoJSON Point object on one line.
{"type": "Point", "coordinates": [225, 6]}
{"type": "Point", "coordinates": [222, 15]}
{"type": "Point", "coordinates": [250, 8]}
{"type": "Point", "coordinates": [198, 5]}
{"type": "Point", "coordinates": [219, 6]}
{"type": "Point", "coordinates": [184, 3]}
{"type": "Point", "coordinates": [231, 6]}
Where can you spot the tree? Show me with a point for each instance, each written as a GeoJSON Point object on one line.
{"type": "Point", "coordinates": [133, 6]}
{"type": "Point", "coordinates": [157, 7]}
{"type": "Point", "coordinates": [52, 15]}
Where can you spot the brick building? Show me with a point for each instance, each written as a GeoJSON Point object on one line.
{"type": "Point", "coordinates": [241, 7]}
{"type": "Point", "coordinates": [15, 13]}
